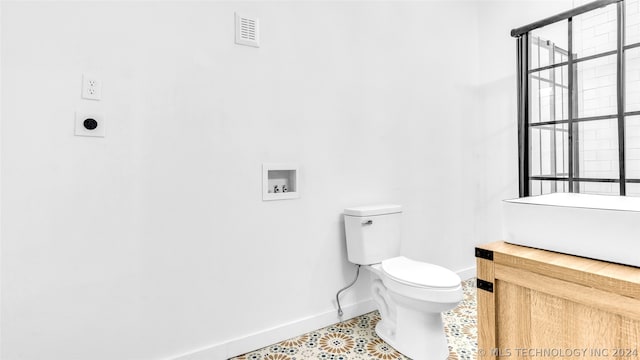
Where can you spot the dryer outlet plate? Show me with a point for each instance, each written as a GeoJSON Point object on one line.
{"type": "Point", "coordinates": [90, 124]}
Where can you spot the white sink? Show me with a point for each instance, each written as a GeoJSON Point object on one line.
{"type": "Point", "coordinates": [595, 226]}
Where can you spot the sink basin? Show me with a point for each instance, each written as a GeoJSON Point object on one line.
{"type": "Point", "coordinates": [594, 226]}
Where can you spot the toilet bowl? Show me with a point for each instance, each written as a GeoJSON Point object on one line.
{"type": "Point", "coordinates": [411, 306]}
{"type": "Point", "coordinates": [410, 294]}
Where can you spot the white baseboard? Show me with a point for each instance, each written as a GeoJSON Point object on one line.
{"type": "Point", "coordinates": [260, 339]}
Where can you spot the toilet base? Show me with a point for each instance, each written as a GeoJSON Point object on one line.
{"type": "Point", "coordinates": [418, 335]}
{"type": "Point", "coordinates": [413, 326]}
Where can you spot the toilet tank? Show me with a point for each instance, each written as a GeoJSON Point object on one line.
{"type": "Point", "coordinates": [373, 233]}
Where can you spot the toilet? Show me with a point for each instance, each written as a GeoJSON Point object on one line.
{"type": "Point", "coordinates": [410, 295]}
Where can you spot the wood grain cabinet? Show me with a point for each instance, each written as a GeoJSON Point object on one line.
{"type": "Point", "coordinates": [545, 305]}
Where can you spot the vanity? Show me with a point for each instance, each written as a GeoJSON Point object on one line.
{"type": "Point", "coordinates": [545, 304]}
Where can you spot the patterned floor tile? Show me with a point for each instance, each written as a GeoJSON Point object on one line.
{"type": "Point", "coordinates": [356, 339]}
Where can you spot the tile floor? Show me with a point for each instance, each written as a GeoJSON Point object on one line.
{"type": "Point", "coordinates": [355, 339]}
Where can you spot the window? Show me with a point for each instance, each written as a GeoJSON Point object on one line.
{"type": "Point", "coordinates": [579, 101]}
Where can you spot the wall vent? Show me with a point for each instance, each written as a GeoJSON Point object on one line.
{"type": "Point", "coordinates": [247, 31]}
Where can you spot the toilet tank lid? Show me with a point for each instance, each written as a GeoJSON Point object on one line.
{"type": "Point", "coordinates": [373, 210]}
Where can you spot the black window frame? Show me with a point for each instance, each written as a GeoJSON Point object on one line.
{"type": "Point", "coordinates": [524, 38]}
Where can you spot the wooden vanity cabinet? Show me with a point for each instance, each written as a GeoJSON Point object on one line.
{"type": "Point", "coordinates": [545, 305]}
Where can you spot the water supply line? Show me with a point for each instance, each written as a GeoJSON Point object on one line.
{"type": "Point", "coordinates": [345, 288]}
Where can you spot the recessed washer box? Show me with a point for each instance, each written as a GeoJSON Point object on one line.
{"type": "Point", "coordinates": [280, 181]}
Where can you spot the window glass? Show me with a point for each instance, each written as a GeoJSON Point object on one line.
{"type": "Point", "coordinates": [632, 80]}
{"type": "Point", "coordinates": [595, 83]}
{"type": "Point", "coordinates": [633, 189]}
{"type": "Point", "coordinates": [595, 163]}
{"type": "Point", "coordinates": [597, 149]}
{"type": "Point", "coordinates": [595, 32]}
{"type": "Point", "coordinates": [632, 147]}
{"type": "Point", "coordinates": [632, 21]}
{"type": "Point", "coordinates": [598, 188]}
{"type": "Point", "coordinates": [549, 95]}
{"type": "Point", "coordinates": [548, 150]}
{"type": "Point", "coordinates": [541, 187]}
{"type": "Point", "coordinates": [548, 45]}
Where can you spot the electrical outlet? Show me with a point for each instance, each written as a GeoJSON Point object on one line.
{"type": "Point", "coordinates": [91, 87]}
{"type": "Point", "coordinates": [89, 124]}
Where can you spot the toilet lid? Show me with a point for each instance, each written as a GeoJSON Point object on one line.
{"type": "Point", "coordinates": [419, 273]}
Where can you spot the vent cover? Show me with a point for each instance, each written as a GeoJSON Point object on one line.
{"type": "Point", "coordinates": [247, 31]}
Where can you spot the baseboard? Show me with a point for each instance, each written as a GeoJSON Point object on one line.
{"type": "Point", "coordinates": [260, 339]}
{"type": "Point", "coordinates": [467, 273]}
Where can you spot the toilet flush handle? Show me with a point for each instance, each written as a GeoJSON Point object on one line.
{"type": "Point", "coordinates": [367, 222]}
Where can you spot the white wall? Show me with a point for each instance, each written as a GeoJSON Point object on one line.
{"type": "Point", "coordinates": [492, 144]}
{"type": "Point", "coordinates": [154, 241]}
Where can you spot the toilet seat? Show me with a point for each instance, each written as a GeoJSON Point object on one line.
{"type": "Point", "coordinates": [420, 274]}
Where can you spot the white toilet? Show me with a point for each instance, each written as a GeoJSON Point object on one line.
{"type": "Point", "coordinates": [410, 294]}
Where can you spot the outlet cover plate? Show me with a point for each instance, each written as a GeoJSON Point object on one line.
{"type": "Point", "coordinates": [82, 130]}
{"type": "Point", "coordinates": [91, 87]}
